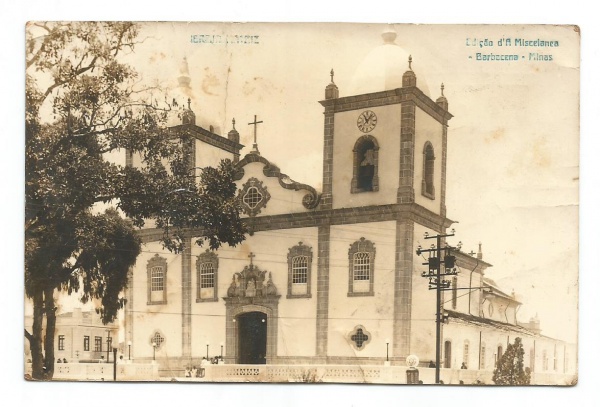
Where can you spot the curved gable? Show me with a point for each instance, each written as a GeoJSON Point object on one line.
{"type": "Point", "coordinates": [255, 171]}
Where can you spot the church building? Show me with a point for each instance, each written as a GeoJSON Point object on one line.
{"type": "Point", "coordinates": [329, 276]}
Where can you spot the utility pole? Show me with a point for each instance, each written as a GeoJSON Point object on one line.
{"type": "Point", "coordinates": [436, 282]}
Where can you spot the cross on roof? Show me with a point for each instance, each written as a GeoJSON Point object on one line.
{"type": "Point", "coordinates": [255, 146]}
{"type": "Point", "coordinates": [251, 256]}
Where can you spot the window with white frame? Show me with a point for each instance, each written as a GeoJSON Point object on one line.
{"type": "Point", "coordinates": [157, 280]}
{"type": "Point", "coordinates": [207, 265]}
{"type": "Point", "coordinates": [299, 271]}
{"type": "Point", "coordinates": [361, 257]}
{"type": "Point", "coordinates": [61, 342]}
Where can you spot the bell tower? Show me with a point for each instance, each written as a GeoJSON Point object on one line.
{"type": "Point", "coordinates": [387, 144]}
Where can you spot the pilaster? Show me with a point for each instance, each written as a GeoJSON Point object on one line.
{"type": "Point", "coordinates": [326, 197]}
{"type": "Point", "coordinates": [444, 158]}
{"type": "Point", "coordinates": [403, 288]}
{"type": "Point", "coordinates": [324, 235]}
{"type": "Point", "coordinates": [406, 190]}
{"type": "Point", "coordinates": [186, 299]}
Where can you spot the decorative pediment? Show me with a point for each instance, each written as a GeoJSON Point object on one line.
{"type": "Point", "coordinates": [310, 200]}
{"type": "Point", "coordinates": [250, 282]}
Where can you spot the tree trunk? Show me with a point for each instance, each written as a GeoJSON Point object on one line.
{"type": "Point", "coordinates": [35, 339]}
{"type": "Point", "coordinates": [50, 327]}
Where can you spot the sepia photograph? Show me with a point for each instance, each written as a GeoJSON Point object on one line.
{"type": "Point", "coordinates": [295, 202]}
{"type": "Point", "coordinates": [358, 203]}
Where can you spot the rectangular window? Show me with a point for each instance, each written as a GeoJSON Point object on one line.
{"type": "Point", "coordinates": [61, 342]}
{"type": "Point", "coordinates": [98, 344]}
{"type": "Point", "coordinates": [207, 275]}
{"type": "Point", "coordinates": [157, 279]}
{"type": "Point", "coordinates": [86, 343]}
{"type": "Point", "coordinates": [362, 266]}
{"type": "Point", "coordinates": [300, 270]}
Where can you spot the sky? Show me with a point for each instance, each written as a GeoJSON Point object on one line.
{"type": "Point", "coordinates": [472, 228]}
{"type": "Point", "coordinates": [513, 144]}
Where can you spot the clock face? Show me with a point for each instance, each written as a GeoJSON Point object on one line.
{"type": "Point", "coordinates": [367, 121]}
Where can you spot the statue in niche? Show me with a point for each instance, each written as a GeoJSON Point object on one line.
{"type": "Point", "coordinates": [251, 288]}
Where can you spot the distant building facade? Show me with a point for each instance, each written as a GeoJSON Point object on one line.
{"type": "Point", "coordinates": [81, 336]}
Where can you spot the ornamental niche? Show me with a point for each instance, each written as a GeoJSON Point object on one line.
{"type": "Point", "coordinates": [251, 283]}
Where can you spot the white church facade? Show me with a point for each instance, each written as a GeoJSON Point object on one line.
{"type": "Point", "coordinates": [331, 277]}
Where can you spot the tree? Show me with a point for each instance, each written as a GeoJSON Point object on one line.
{"type": "Point", "coordinates": [509, 370]}
{"type": "Point", "coordinates": [83, 103]}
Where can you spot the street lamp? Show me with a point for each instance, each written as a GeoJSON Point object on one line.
{"type": "Point", "coordinates": [221, 350]}
{"type": "Point", "coordinates": [436, 282]}
{"type": "Point", "coordinates": [387, 350]}
{"type": "Point", "coordinates": [129, 346]}
{"type": "Point", "coordinates": [206, 350]}
{"type": "Point", "coordinates": [154, 351]}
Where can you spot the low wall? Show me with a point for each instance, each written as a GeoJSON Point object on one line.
{"type": "Point", "coordinates": [376, 374]}
{"type": "Point", "coordinates": [334, 374]}
{"type": "Point", "coordinates": [290, 373]}
{"type": "Point", "coordinates": [104, 371]}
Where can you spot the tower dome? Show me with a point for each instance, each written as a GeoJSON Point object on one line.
{"type": "Point", "coordinates": [383, 68]}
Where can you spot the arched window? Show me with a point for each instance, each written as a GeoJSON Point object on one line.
{"type": "Point", "coordinates": [365, 168]}
{"type": "Point", "coordinates": [207, 266]}
{"type": "Point", "coordinates": [299, 271]}
{"type": "Point", "coordinates": [157, 280]}
{"type": "Point", "coordinates": [466, 354]}
{"type": "Point", "coordinates": [427, 187]}
{"type": "Point", "coordinates": [361, 271]}
{"type": "Point", "coordinates": [447, 354]}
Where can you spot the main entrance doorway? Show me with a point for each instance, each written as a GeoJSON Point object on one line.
{"type": "Point", "coordinates": [252, 338]}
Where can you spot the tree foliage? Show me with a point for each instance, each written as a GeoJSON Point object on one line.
{"type": "Point", "coordinates": [83, 103]}
{"type": "Point", "coordinates": [510, 369]}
